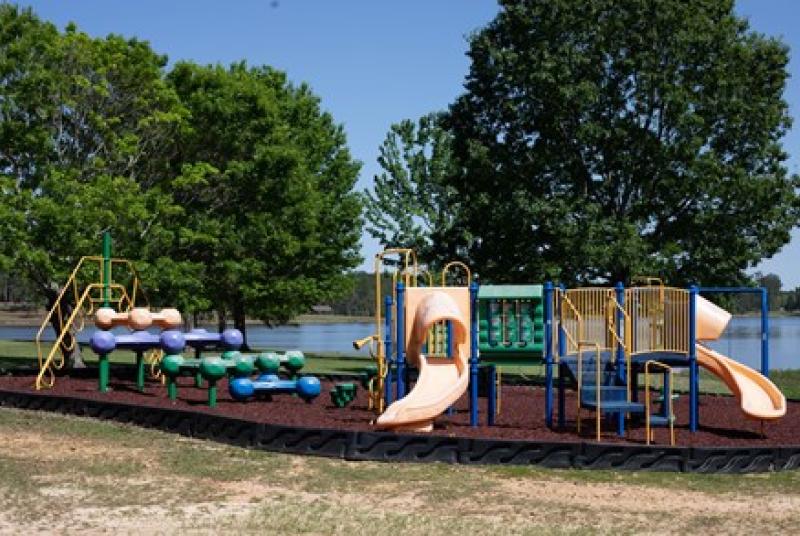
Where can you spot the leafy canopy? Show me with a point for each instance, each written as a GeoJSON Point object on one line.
{"type": "Point", "coordinates": [85, 132]}
{"type": "Point", "coordinates": [410, 204]}
{"type": "Point", "coordinates": [230, 186]}
{"type": "Point", "coordinates": [270, 218]}
{"type": "Point", "coordinates": [602, 139]}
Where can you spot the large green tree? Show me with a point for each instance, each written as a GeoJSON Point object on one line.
{"type": "Point", "coordinates": [230, 188]}
{"type": "Point", "coordinates": [271, 218]}
{"type": "Point", "coordinates": [411, 204]}
{"type": "Point", "coordinates": [85, 132]}
{"type": "Point", "coordinates": [601, 139]}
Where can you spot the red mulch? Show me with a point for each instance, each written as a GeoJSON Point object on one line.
{"type": "Point", "coordinates": [522, 415]}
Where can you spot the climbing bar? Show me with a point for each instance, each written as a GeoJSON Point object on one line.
{"type": "Point", "coordinates": [138, 319]}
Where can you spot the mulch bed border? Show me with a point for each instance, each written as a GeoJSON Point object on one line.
{"type": "Point", "coordinates": [383, 446]}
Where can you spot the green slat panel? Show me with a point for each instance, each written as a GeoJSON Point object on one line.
{"type": "Point", "coordinates": [510, 291]}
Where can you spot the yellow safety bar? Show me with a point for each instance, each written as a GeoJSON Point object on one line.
{"type": "Point", "coordinates": [625, 341]}
{"type": "Point", "coordinates": [571, 314]}
{"type": "Point", "coordinates": [668, 401]}
{"type": "Point", "coordinates": [456, 264]}
{"type": "Point", "coordinates": [660, 318]}
{"type": "Point", "coordinates": [409, 272]}
{"type": "Point", "coordinates": [124, 302]}
{"type": "Point", "coordinates": [47, 365]}
{"type": "Point", "coordinates": [598, 363]}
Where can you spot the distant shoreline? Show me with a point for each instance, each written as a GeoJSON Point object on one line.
{"type": "Point", "coordinates": [32, 318]}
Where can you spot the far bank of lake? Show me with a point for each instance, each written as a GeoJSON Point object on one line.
{"type": "Point", "coordinates": [741, 341]}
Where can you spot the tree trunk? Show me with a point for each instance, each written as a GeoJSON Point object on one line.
{"type": "Point", "coordinates": [69, 346]}
{"type": "Point", "coordinates": [240, 323]}
{"type": "Point", "coordinates": [222, 320]}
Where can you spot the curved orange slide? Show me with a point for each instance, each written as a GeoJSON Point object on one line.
{"type": "Point", "coordinates": [441, 381]}
{"type": "Point", "coordinates": [758, 397]}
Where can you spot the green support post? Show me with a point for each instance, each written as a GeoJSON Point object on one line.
{"type": "Point", "coordinates": [172, 388]}
{"type": "Point", "coordinates": [140, 371]}
{"type": "Point", "coordinates": [106, 269]}
{"type": "Point", "coordinates": [212, 394]}
{"type": "Point", "coordinates": [105, 368]}
{"type": "Point", "coordinates": [198, 378]}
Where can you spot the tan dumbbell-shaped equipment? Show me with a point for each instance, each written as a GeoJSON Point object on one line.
{"type": "Point", "coordinates": [138, 319]}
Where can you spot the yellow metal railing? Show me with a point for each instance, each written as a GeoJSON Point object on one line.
{"type": "Point", "coordinates": [408, 270]}
{"type": "Point", "coordinates": [660, 319]}
{"type": "Point", "coordinates": [668, 400]}
{"type": "Point", "coordinates": [571, 324]}
{"type": "Point", "coordinates": [592, 304]}
{"type": "Point", "coordinates": [84, 305]}
{"type": "Point", "coordinates": [55, 357]}
{"type": "Point", "coordinates": [615, 309]}
{"type": "Point", "coordinates": [598, 366]}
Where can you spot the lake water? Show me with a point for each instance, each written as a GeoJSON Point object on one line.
{"type": "Point", "coordinates": [741, 341]}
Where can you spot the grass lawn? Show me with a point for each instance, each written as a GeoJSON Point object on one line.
{"type": "Point", "coordinates": [67, 474]}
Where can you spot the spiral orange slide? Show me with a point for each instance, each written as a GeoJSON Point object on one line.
{"type": "Point", "coordinates": [442, 381]}
{"type": "Point", "coordinates": [758, 397]}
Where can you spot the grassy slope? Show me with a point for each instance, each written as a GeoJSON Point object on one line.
{"type": "Point", "coordinates": [68, 474]}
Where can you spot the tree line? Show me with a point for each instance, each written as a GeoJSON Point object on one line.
{"type": "Point", "coordinates": [598, 140]}
{"type": "Point", "coordinates": [594, 141]}
{"type": "Point", "coordinates": [230, 186]}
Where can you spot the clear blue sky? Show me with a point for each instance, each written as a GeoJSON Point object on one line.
{"type": "Point", "coordinates": [372, 62]}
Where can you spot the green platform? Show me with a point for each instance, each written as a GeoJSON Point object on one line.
{"type": "Point", "coordinates": [511, 324]}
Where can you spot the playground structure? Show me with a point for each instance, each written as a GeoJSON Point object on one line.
{"type": "Point", "coordinates": [307, 387]}
{"type": "Point", "coordinates": [169, 342]}
{"type": "Point", "coordinates": [453, 338]}
{"type": "Point", "coordinates": [140, 318]}
{"type": "Point", "coordinates": [239, 367]}
{"type": "Point", "coordinates": [604, 338]}
{"type": "Point", "coordinates": [91, 282]}
{"type": "Point", "coordinates": [441, 380]}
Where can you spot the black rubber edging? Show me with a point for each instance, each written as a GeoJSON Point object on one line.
{"type": "Point", "coordinates": [384, 446]}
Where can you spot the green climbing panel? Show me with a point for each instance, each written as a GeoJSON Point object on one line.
{"type": "Point", "coordinates": [510, 323]}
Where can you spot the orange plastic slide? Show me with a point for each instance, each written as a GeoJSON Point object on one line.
{"type": "Point", "coordinates": [442, 381]}
{"type": "Point", "coordinates": [758, 396]}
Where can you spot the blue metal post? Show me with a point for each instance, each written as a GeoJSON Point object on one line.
{"type": "Point", "coordinates": [764, 332]}
{"type": "Point", "coordinates": [451, 410]}
{"type": "Point", "coordinates": [473, 355]}
{"type": "Point", "coordinates": [620, 357]}
{"type": "Point", "coordinates": [387, 345]}
{"type": "Point", "coordinates": [400, 341]}
{"type": "Point", "coordinates": [562, 351]}
{"type": "Point", "coordinates": [548, 354]}
{"type": "Point", "coordinates": [665, 392]}
{"type": "Point", "coordinates": [694, 415]}
{"type": "Point", "coordinates": [449, 332]}
{"type": "Point", "coordinates": [491, 407]}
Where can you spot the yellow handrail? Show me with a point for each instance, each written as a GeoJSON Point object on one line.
{"type": "Point", "coordinates": [668, 400]}
{"type": "Point", "coordinates": [46, 366]}
{"type": "Point", "coordinates": [581, 345]}
{"type": "Point", "coordinates": [72, 286]}
{"type": "Point", "coordinates": [376, 349]}
{"type": "Point", "coordinates": [456, 264]}
{"type": "Point", "coordinates": [625, 340]}
{"type": "Point", "coordinates": [578, 322]}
